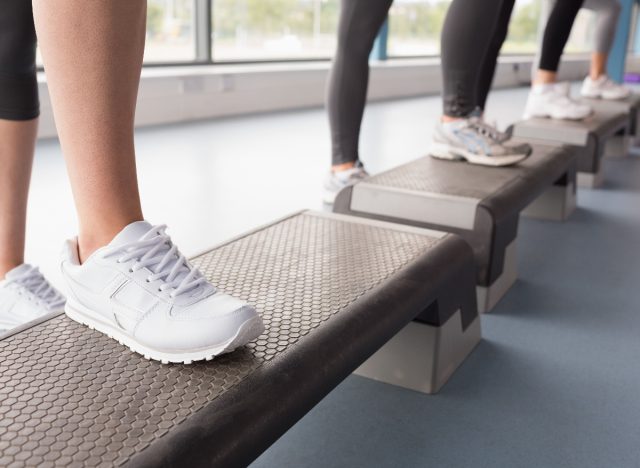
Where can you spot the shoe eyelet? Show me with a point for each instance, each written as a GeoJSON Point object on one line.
{"type": "Point", "coordinates": [130, 270]}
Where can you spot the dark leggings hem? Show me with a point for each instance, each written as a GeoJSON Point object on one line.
{"type": "Point", "coordinates": [18, 116]}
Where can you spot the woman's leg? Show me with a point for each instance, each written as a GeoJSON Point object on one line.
{"type": "Point", "coordinates": [548, 98]}
{"type": "Point", "coordinates": [360, 22]}
{"type": "Point", "coordinates": [598, 84]}
{"type": "Point", "coordinates": [556, 35]}
{"type": "Point", "coordinates": [467, 36]}
{"type": "Point", "coordinates": [17, 142]}
{"type": "Point", "coordinates": [19, 109]}
{"type": "Point", "coordinates": [92, 54]}
{"type": "Point", "coordinates": [470, 37]}
{"type": "Point", "coordinates": [607, 14]}
{"type": "Point", "coordinates": [485, 77]}
{"type": "Point", "coordinates": [140, 289]}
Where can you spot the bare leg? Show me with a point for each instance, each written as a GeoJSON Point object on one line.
{"type": "Point", "coordinates": [17, 142]}
{"type": "Point", "coordinates": [598, 65]}
{"type": "Point", "coordinates": [545, 77]}
{"type": "Point", "coordinates": [92, 52]}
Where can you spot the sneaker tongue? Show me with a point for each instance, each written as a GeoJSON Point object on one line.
{"type": "Point", "coordinates": [17, 271]}
{"type": "Point", "coordinates": [131, 233]}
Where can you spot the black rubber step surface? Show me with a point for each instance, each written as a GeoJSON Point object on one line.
{"type": "Point", "coordinates": [70, 396]}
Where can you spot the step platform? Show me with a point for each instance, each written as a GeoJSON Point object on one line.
{"type": "Point", "coordinates": [588, 138]}
{"type": "Point", "coordinates": [619, 145]}
{"type": "Point", "coordinates": [481, 204]}
{"type": "Point", "coordinates": [332, 290]}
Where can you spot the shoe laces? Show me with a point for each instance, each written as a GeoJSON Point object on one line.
{"type": "Point", "coordinates": [487, 129]}
{"type": "Point", "coordinates": [43, 292]}
{"type": "Point", "coordinates": [155, 251]}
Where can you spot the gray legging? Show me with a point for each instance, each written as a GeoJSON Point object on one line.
{"type": "Point", "coordinates": [360, 21]}
{"type": "Point", "coordinates": [607, 12]}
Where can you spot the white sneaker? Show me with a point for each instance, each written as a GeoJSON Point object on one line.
{"type": "Point", "coordinates": [473, 140]}
{"type": "Point", "coordinates": [142, 292]}
{"type": "Point", "coordinates": [553, 101]}
{"type": "Point", "coordinates": [25, 295]}
{"type": "Point", "coordinates": [336, 181]}
{"type": "Point", "coordinates": [603, 88]}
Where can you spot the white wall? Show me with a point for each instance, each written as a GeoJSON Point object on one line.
{"type": "Point", "coordinates": [179, 94]}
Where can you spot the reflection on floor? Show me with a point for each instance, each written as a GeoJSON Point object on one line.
{"type": "Point", "coordinates": [554, 383]}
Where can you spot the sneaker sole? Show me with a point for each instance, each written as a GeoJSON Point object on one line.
{"type": "Point", "coordinates": [248, 331]}
{"type": "Point", "coordinates": [443, 151]}
{"type": "Point", "coordinates": [604, 97]}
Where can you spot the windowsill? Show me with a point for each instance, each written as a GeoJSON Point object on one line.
{"type": "Point", "coordinates": [178, 69]}
{"type": "Point", "coordinates": [178, 93]}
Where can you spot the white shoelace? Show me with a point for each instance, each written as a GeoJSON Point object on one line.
{"type": "Point", "coordinates": [488, 130]}
{"type": "Point", "coordinates": [156, 252]}
{"type": "Point", "coordinates": [35, 282]}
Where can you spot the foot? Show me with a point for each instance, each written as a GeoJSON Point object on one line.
{"type": "Point", "coordinates": [141, 291]}
{"type": "Point", "coordinates": [25, 295]}
{"type": "Point", "coordinates": [336, 181]}
{"type": "Point", "coordinates": [553, 101]}
{"type": "Point", "coordinates": [504, 138]}
{"type": "Point", "coordinates": [472, 140]}
{"type": "Point", "coordinates": [603, 88]}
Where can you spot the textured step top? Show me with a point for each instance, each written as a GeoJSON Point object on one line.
{"type": "Point", "coordinates": [460, 179]}
{"type": "Point", "coordinates": [600, 124]}
{"type": "Point", "coordinates": [619, 105]}
{"type": "Point", "coordinates": [70, 396]}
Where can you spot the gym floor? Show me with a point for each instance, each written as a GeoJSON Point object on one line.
{"type": "Point", "coordinates": [555, 381]}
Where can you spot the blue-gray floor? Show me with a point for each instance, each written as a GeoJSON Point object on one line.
{"type": "Point", "coordinates": [554, 383]}
{"type": "Point", "coordinates": [556, 380]}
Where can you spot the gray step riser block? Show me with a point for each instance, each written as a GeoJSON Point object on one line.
{"type": "Point", "coordinates": [421, 357]}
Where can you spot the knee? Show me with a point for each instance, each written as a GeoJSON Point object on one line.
{"type": "Point", "coordinates": [611, 11]}
{"type": "Point", "coordinates": [353, 45]}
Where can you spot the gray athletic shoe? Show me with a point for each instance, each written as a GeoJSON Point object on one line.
{"type": "Point", "coordinates": [504, 138]}
{"type": "Point", "coordinates": [336, 181]}
{"type": "Point", "coordinates": [471, 139]}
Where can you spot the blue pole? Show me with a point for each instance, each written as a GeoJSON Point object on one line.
{"type": "Point", "coordinates": [379, 51]}
{"type": "Point", "coordinates": [618, 54]}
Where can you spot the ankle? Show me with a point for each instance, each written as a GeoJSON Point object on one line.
{"type": "Point", "coordinates": [343, 167]}
{"type": "Point", "coordinates": [545, 77]}
{"type": "Point", "coordinates": [448, 119]}
{"type": "Point", "coordinates": [90, 240]}
{"type": "Point", "coordinates": [9, 264]}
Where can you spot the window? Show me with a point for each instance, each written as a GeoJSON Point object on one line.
{"type": "Point", "coordinates": [581, 38]}
{"type": "Point", "coordinates": [245, 30]}
{"type": "Point", "coordinates": [523, 28]}
{"type": "Point", "coordinates": [170, 31]}
{"type": "Point", "coordinates": [414, 27]}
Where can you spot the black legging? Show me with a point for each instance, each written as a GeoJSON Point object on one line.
{"type": "Point", "coordinates": [18, 82]}
{"type": "Point", "coordinates": [557, 31]}
{"type": "Point", "coordinates": [360, 21]}
{"type": "Point", "coordinates": [484, 24]}
{"type": "Point", "coordinates": [472, 36]}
